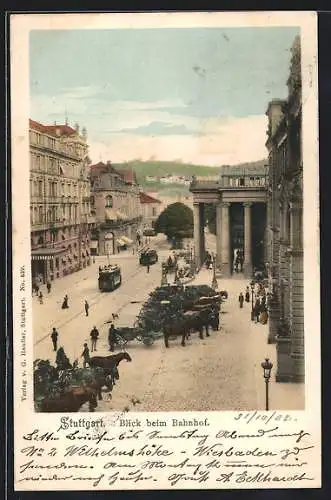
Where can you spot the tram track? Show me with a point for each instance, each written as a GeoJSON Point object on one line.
{"type": "Point", "coordinates": [96, 299]}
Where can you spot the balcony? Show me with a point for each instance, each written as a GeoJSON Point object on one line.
{"type": "Point", "coordinates": [254, 182]}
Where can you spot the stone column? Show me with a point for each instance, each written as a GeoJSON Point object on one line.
{"type": "Point", "coordinates": [197, 234]}
{"type": "Point", "coordinates": [248, 240]}
{"type": "Point", "coordinates": [202, 232]}
{"type": "Point", "coordinates": [219, 236]}
{"type": "Point", "coordinates": [296, 293]}
{"type": "Point", "coordinates": [225, 239]}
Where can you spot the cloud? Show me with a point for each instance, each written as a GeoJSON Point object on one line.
{"type": "Point", "coordinates": [159, 128]}
{"type": "Point", "coordinates": [224, 142]}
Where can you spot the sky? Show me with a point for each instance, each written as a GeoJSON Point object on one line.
{"type": "Point", "coordinates": [198, 95]}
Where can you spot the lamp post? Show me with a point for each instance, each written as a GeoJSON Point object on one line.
{"type": "Point", "coordinates": [252, 291]}
{"type": "Point", "coordinates": [267, 366]}
{"type": "Point", "coordinates": [164, 280]}
{"type": "Point", "coordinates": [214, 284]}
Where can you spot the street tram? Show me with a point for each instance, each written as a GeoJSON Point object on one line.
{"type": "Point", "coordinates": [148, 257]}
{"type": "Point", "coordinates": [109, 277]}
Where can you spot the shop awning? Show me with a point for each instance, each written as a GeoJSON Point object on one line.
{"type": "Point", "coordinates": [120, 242]}
{"type": "Point", "coordinates": [127, 240]}
{"type": "Point", "coordinates": [110, 214]}
{"type": "Point", "coordinates": [94, 244]}
{"type": "Point", "coordinates": [46, 253]}
{"type": "Point", "coordinates": [121, 215]}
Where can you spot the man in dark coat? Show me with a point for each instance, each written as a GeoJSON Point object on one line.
{"type": "Point", "coordinates": [86, 355]}
{"type": "Point", "coordinates": [54, 337]}
{"type": "Point", "coordinates": [86, 308]}
{"type": "Point", "coordinates": [257, 310]}
{"type": "Point", "coordinates": [247, 294]}
{"type": "Point", "coordinates": [241, 300]}
{"type": "Point", "coordinates": [112, 337]}
{"type": "Point", "coordinates": [65, 304]}
{"type": "Point", "coordinates": [94, 337]}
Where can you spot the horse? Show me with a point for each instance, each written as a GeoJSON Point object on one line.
{"type": "Point", "coordinates": [97, 378]}
{"type": "Point", "coordinates": [109, 363]}
{"type": "Point", "coordinates": [71, 401]}
{"type": "Point", "coordinates": [191, 321]}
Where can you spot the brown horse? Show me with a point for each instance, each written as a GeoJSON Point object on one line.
{"type": "Point", "coordinates": [71, 401]}
{"type": "Point", "coordinates": [192, 321]}
{"type": "Point", "coordinates": [109, 362]}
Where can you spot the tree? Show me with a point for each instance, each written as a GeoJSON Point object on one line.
{"type": "Point", "coordinates": [176, 222]}
{"type": "Point", "coordinates": [210, 217]}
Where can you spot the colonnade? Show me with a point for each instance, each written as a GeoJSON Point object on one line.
{"type": "Point", "coordinates": [223, 256]}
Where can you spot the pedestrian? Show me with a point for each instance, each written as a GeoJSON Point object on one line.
{"type": "Point", "coordinates": [257, 310]}
{"type": "Point", "coordinates": [263, 314]}
{"type": "Point", "coordinates": [86, 355]}
{"type": "Point", "coordinates": [94, 337]}
{"type": "Point", "coordinates": [54, 337]}
{"type": "Point", "coordinates": [49, 286]}
{"type": "Point", "coordinates": [147, 268]}
{"type": "Point", "coordinates": [112, 337]}
{"type": "Point", "coordinates": [241, 300]}
{"type": "Point", "coordinates": [41, 298]}
{"type": "Point", "coordinates": [93, 260]}
{"type": "Point", "coordinates": [65, 304]}
{"type": "Point", "coordinates": [37, 289]}
{"type": "Point", "coordinates": [86, 308]}
{"type": "Point", "coordinates": [247, 294]}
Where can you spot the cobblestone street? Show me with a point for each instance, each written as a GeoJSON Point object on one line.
{"type": "Point", "coordinates": [222, 372]}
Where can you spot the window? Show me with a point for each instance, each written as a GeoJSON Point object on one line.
{"type": "Point", "coordinates": [153, 211]}
{"type": "Point", "coordinates": [241, 181]}
{"type": "Point", "coordinates": [109, 201]}
{"type": "Point", "coordinates": [40, 188]}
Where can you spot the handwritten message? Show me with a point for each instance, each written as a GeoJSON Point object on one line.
{"type": "Point", "coordinates": [258, 450]}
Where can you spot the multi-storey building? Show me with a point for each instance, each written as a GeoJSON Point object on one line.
{"type": "Point", "coordinates": [59, 200]}
{"type": "Point", "coordinates": [285, 225]}
{"type": "Point", "coordinates": [150, 208]}
{"type": "Point", "coordinates": [115, 205]}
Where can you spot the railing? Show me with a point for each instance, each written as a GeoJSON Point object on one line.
{"type": "Point", "coordinates": [233, 182]}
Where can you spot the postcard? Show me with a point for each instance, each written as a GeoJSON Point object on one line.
{"type": "Point", "coordinates": [165, 217]}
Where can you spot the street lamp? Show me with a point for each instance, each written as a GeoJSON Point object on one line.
{"type": "Point", "coordinates": [164, 280]}
{"type": "Point", "coordinates": [266, 365]}
{"type": "Point", "coordinates": [214, 284]}
{"type": "Point", "coordinates": [252, 290]}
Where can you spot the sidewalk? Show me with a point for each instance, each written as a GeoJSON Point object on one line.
{"type": "Point", "coordinates": [283, 396]}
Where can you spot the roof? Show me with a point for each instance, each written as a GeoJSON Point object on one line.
{"type": "Point", "coordinates": [145, 198]}
{"type": "Point", "coordinates": [257, 168]}
{"type": "Point", "coordinates": [52, 129]}
{"type": "Point", "coordinates": [102, 168]}
{"type": "Point", "coordinates": [128, 175]}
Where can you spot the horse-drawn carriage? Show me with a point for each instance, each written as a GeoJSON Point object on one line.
{"type": "Point", "coordinates": [125, 334]}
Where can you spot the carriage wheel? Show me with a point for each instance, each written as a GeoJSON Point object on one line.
{"type": "Point", "coordinates": [148, 340]}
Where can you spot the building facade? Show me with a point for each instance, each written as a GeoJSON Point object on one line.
{"type": "Point", "coordinates": [59, 200]}
{"type": "Point", "coordinates": [239, 196]}
{"type": "Point", "coordinates": [115, 205]}
{"type": "Point", "coordinates": [150, 209]}
{"type": "Point", "coordinates": [285, 226]}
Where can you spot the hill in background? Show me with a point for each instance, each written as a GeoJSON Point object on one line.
{"type": "Point", "coordinates": [164, 168]}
